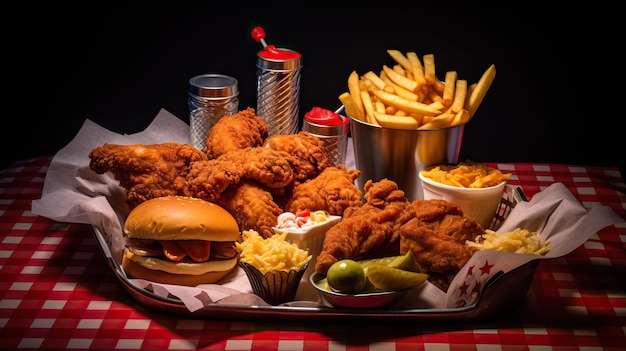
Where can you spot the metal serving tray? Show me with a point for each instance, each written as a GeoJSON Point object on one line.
{"type": "Point", "coordinates": [502, 292]}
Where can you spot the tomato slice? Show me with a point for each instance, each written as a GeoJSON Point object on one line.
{"type": "Point", "coordinates": [198, 250]}
{"type": "Point", "coordinates": [303, 213]}
{"type": "Point", "coordinates": [176, 250]}
{"type": "Point", "coordinates": [172, 250]}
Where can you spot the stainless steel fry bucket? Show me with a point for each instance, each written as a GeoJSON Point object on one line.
{"type": "Point", "coordinates": [399, 154]}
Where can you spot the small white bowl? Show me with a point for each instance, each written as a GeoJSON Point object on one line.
{"type": "Point", "coordinates": [478, 203]}
{"type": "Point", "coordinates": [310, 238]}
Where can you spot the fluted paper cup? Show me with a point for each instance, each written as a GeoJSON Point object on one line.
{"type": "Point", "coordinates": [274, 287]}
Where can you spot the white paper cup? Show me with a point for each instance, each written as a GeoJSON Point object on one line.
{"type": "Point", "coordinates": [478, 203]}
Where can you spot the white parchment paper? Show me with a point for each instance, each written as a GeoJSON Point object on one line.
{"type": "Point", "coordinates": [73, 193]}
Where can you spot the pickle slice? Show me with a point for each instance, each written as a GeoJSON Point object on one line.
{"type": "Point", "coordinates": [383, 261]}
{"type": "Point", "coordinates": [388, 278]}
{"type": "Point", "coordinates": [405, 262]}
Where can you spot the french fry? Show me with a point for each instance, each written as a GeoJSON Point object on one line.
{"type": "Point", "coordinates": [436, 105]}
{"type": "Point", "coordinates": [400, 91]}
{"type": "Point", "coordinates": [379, 106]}
{"type": "Point", "coordinates": [460, 118]}
{"type": "Point", "coordinates": [409, 74]}
{"type": "Point", "coordinates": [470, 89]}
{"type": "Point", "coordinates": [399, 79]}
{"type": "Point", "coordinates": [398, 69]}
{"type": "Point", "coordinates": [366, 85]}
{"type": "Point", "coordinates": [401, 113]}
{"type": "Point", "coordinates": [429, 69]}
{"type": "Point", "coordinates": [375, 79]}
{"type": "Point", "coordinates": [418, 118]}
{"type": "Point", "coordinates": [407, 105]}
{"type": "Point", "coordinates": [395, 122]}
{"type": "Point", "coordinates": [350, 106]}
{"type": "Point", "coordinates": [460, 92]}
{"type": "Point", "coordinates": [478, 93]}
{"type": "Point", "coordinates": [355, 91]}
{"type": "Point", "coordinates": [399, 57]}
{"type": "Point", "coordinates": [430, 73]}
{"type": "Point", "coordinates": [440, 121]}
{"type": "Point", "coordinates": [433, 95]}
{"type": "Point", "coordinates": [449, 87]}
{"type": "Point", "coordinates": [369, 107]}
{"type": "Point", "coordinates": [416, 68]}
{"type": "Point", "coordinates": [391, 110]}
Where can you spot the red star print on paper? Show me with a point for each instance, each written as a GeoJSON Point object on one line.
{"type": "Point", "coordinates": [470, 270]}
{"type": "Point", "coordinates": [486, 268]}
{"type": "Point", "coordinates": [463, 288]}
{"type": "Point", "coordinates": [472, 285]}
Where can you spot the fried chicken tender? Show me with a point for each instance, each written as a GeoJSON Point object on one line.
{"type": "Point", "coordinates": [208, 179]}
{"type": "Point", "coordinates": [370, 230]}
{"type": "Point", "coordinates": [309, 152]}
{"type": "Point", "coordinates": [252, 206]}
{"type": "Point", "coordinates": [437, 237]}
{"type": "Point", "coordinates": [333, 190]}
{"type": "Point", "coordinates": [239, 131]}
{"type": "Point", "coordinates": [146, 171]}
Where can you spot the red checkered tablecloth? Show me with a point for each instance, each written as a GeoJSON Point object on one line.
{"type": "Point", "coordinates": [57, 292]}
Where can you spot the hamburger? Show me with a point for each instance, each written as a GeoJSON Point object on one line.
{"type": "Point", "coordinates": [180, 240]}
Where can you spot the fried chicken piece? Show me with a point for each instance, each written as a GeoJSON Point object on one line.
{"type": "Point", "coordinates": [146, 171]}
{"type": "Point", "coordinates": [309, 152]}
{"type": "Point", "coordinates": [333, 191]}
{"type": "Point", "coordinates": [368, 231]}
{"type": "Point", "coordinates": [239, 131]}
{"type": "Point", "coordinates": [208, 179]}
{"type": "Point", "coordinates": [252, 206]}
{"type": "Point", "coordinates": [271, 168]}
{"type": "Point", "coordinates": [437, 237]}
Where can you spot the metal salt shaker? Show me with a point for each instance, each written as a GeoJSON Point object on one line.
{"type": "Point", "coordinates": [278, 87]}
{"type": "Point", "coordinates": [332, 129]}
{"type": "Point", "coordinates": [211, 97]}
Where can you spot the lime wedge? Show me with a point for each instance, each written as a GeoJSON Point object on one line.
{"type": "Point", "coordinates": [391, 279]}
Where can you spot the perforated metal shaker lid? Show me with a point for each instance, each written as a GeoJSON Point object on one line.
{"type": "Point", "coordinates": [213, 86]}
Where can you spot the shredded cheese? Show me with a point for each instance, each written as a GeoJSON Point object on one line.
{"type": "Point", "coordinates": [519, 241]}
{"type": "Point", "coordinates": [271, 254]}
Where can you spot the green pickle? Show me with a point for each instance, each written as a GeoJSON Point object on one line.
{"type": "Point", "coordinates": [373, 275]}
{"type": "Point", "coordinates": [346, 276]}
{"type": "Point", "coordinates": [388, 278]}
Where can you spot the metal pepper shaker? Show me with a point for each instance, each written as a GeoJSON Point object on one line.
{"type": "Point", "coordinates": [278, 86]}
{"type": "Point", "coordinates": [211, 97]}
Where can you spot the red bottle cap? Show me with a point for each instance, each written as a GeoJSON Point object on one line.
{"type": "Point", "coordinates": [273, 58]}
{"type": "Point", "coordinates": [324, 117]}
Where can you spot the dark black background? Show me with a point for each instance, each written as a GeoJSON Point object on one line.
{"type": "Point", "coordinates": [119, 64]}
